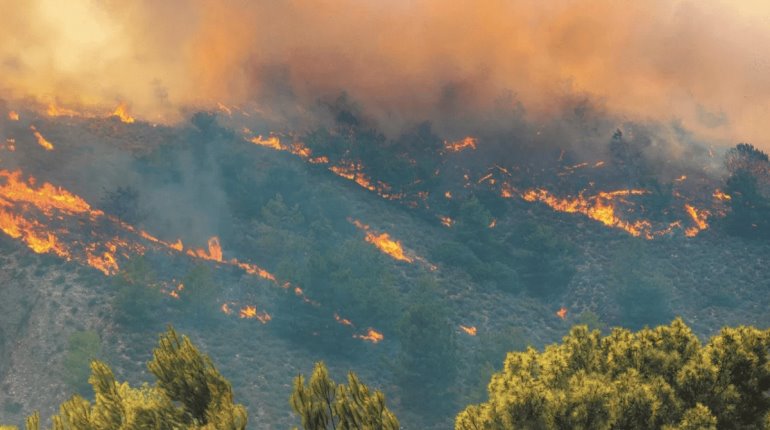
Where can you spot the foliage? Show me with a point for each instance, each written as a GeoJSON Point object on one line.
{"type": "Point", "coordinates": [198, 293]}
{"type": "Point", "coordinates": [427, 362]}
{"type": "Point", "coordinates": [137, 298]}
{"type": "Point", "coordinates": [323, 404]}
{"type": "Point", "coordinates": [189, 377]}
{"type": "Point", "coordinates": [82, 347]}
{"type": "Point", "coordinates": [748, 185]}
{"type": "Point", "coordinates": [190, 394]}
{"type": "Point", "coordinates": [544, 259]}
{"type": "Point", "coordinates": [655, 378]}
{"type": "Point", "coordinates": [641, 290]}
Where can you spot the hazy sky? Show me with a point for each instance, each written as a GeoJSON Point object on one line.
{"type": "Point", "coordinates": [704, 63]}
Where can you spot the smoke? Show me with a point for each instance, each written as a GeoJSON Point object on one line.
{"type": "Point", "coordinates": [702, 65]}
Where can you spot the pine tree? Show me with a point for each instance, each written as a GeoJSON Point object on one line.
{"type": "Point", "coordinates": [323, 404]}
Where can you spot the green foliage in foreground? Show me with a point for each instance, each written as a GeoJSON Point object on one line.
{"type": "Point", "coordinates": [654, 378]}
{"type": "Point", "coordinates": [323, 404]}
{"type": "Point", "coordinates": [189, 394]}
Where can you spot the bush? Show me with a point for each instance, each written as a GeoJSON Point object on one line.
{"type": "Point", "coordinates": [544, 259]}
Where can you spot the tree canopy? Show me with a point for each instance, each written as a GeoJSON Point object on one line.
{"type": "Point", "coordinates": [655, 378]}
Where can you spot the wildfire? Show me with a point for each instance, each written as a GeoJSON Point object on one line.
{"type": "Point", "coordinates": [371, 335]}
{"type": "Point", "coordinates": [343, 321]}
{"type": "Point", "coordinates": [562, 313]}
{"type": "Point", "coordinates": [460, 145]}
{"type": "Point", "coordinates": [250, 312]}
{"type": "Point", "coordinates": [599, 208]}
{"type": "Point", "coordinates": [446, 221]}
{"type": "Point", "coordinates": [42, 141]}
{"type": "Point", "coordinates": [699, 217]}
{"type": "Point", "coordinates": [214, 252]}
{"type": "Point", "coordinates": [13, 115]}
{"type": "Point", "coordinates": [226, 309]}
{"type": "Point", "coordinates": [122, 113]}
{"type": "Point", "coordinates": [470, 331]}
{"type": "Point", "coordinates": [384, 243]}
{"type": "Point", "coordinates": [719, 195]}
{"type": "Point", "coordinates": [54, 110]}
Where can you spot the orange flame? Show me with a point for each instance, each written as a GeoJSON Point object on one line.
{"type": "Point", "coordinates": [226, 309]}
{"type": "Point", "coordinates": [42, 141]}
{"type": "Point", "coordinates": [54, 110]}
{"type": "Point", "coordinates": [371, 335]}
{"type": "Point", "coordinates": [13, 115]}
{"type": "Point", "coordinates": [384, 243]}
{"type": "Point", "coordinates": [10, 144]}
{"type": "Point", "coordinates": [122, 113]}
{"type": "Point", "coordinates": [343, 321]}
{"type": "Point", "coordinates": [562, 313]}
{"type": "Point", "coordinates": [460, 145]}
{"type": "Point", "coordinates": [471, 330]}
{"type": "Point", "coordinates": [719, 195]}
{"type": "Point", "coordinates": [599, 208]}
{"type": "Point", "coordinates": [446, 221]}
{"type": "Point", "coordinates": [699, 217]}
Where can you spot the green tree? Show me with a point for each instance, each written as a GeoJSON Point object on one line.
{"type": "Point", "coordinates": [138, 299]}
{"type": "Point", "coordinates": [544, 259]}
{"type": "Point", "coordinates": [748, 185]}
{"type": "Point", "coordinates": [427, 363]}
{"type": "Point", "coordinates": [82, 347]}
{"type": "Point", "coordinates": [323, 404]}
{"type": "Point", "coordinates": [189, 394]}
{"type": "Point", "coordinates": [655, 378]}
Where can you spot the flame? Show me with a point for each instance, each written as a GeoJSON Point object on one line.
{"type": "Point", "coordinates": [681, 178]}
{"type": "Point", "coordinates": [10, 144]}
{"type": "Point", "coordinates": [272, 142]}
{"type": "Point", "coordinates": [250, 312]}
{"type": "Point", "coordinates": [460, 145]}
{"type": "Point", "coordinates": [562, 313]}
{"type": "Point", "coordinates": [122, 113]}
{"type": "Point", "coordinates": [699, 217]}
{"type": "Point", "coordinates": [599, 208]}
{"type": "Point", "coordinates": [343, 321]}
{"type": "Point", "coordinates": [446, 221]}
{"type": "Point", "coordinates": [226, 309]}
{"type": "Point", "coordinates": [354, 172]}
{"type": "Point", "coordinates": [448, 195]}
{"type": "Point", "coordinates": [493, 223]}
{"type": "Point", "coordinates": [175, 292]}
{"type": "Point", "coordinates": [471, 330]}
{"type": "Point", "coordinates": [371, 335]}
{"type": "Point", "coordinates": [42, 141]}
{"type": "Point", "coordinates": [384, 243]}
{"type": "Point", "coordinates": [719, 195]}
{"type": "Point", "coordinates": [54, 110]}
{"type": "Point", "coordinates": [13, 115]}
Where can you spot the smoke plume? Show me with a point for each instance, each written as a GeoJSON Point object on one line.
{"type": "Point", "coordinates": [702, 65]}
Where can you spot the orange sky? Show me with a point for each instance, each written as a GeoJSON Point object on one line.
{"type": "Point", "coordinates": [703, 63]}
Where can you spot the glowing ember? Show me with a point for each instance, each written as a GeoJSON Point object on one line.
{"type": "Point", "coordinates": [448, 195]}
{"type": "Point", "coordinates": [699, 217]}
{"type": "Point", "coordinates": [42, 141]}
{"type": "Point", "coordinates": [471, 331]}
{"type": "Point", "coordinates": [460, 145]}
{"type": "Point", "coordinates": [681, 178]}
{"type": "Point", "coordinates": [384, 243]}
{"type": "Point", "coordinates": [719, 195]}
{"type": "Point", "coordinates": [371, 335]}
{"type": "Point", "coordinates": [226, 309]}
{"type": "Point", "coordinates": [493, 223]}
{"type": "Point", "coordinates": [248, 312]}
{"type": "Point", "coordinates": [446, 221]}
{"type": "Point", "coordinates": [562, 313]}
{"type": "Point", "coordinates": [122, 113]}
{"type": "Point", "coordinates": [13, 115]}
{"type": "Point", "coordinates": [10, 144]}
{"type": "Point", "coordinates": [343, 321]}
